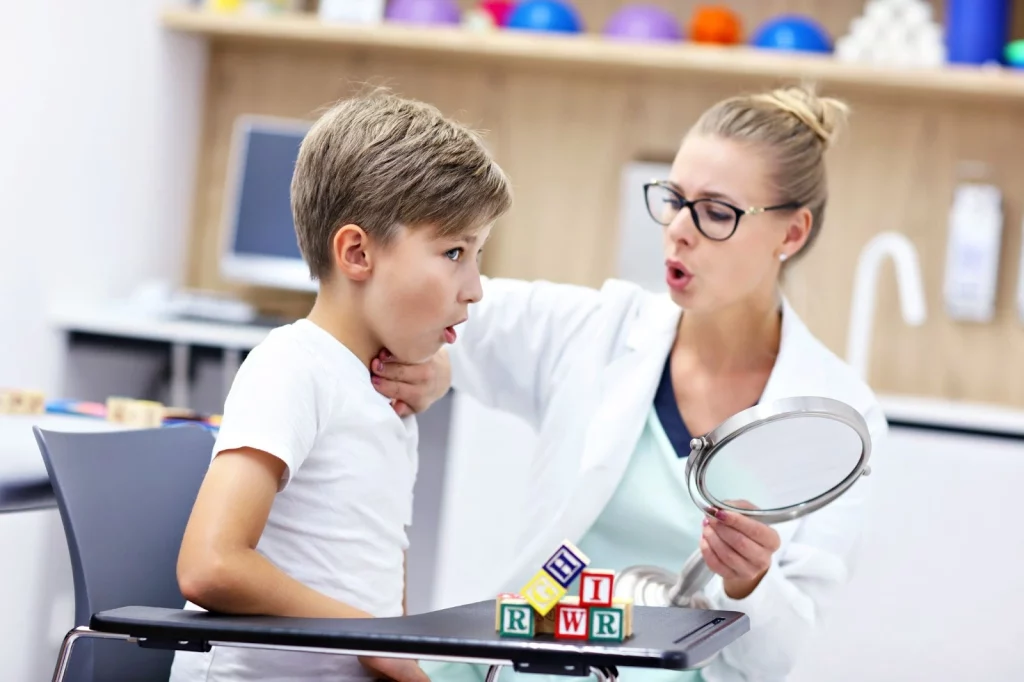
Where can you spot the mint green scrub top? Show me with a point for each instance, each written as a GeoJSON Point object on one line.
{"type": "Point", "coordinates": [650, 519]}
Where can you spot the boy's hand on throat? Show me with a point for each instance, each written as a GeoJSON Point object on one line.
{"type": "Point", "coordinates": [412, 388]}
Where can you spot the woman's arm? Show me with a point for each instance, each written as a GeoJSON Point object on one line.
{"type": "Point", "coordinates": [506, 356]}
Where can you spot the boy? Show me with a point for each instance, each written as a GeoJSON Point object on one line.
{"type": "Point", "coordinates": [304, 509]}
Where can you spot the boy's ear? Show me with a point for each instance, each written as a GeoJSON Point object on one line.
{"type": "Point", "coordinates": [350, 249]}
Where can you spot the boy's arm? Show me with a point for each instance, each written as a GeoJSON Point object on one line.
{"type": "Point", "coordinates": [219, 568]}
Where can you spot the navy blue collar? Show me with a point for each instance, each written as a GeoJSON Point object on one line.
{"type": "Point", "coordinates": [667, 409]}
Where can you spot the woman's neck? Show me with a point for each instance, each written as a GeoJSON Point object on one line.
{"type": "Point", "coordinates": [741, 338]}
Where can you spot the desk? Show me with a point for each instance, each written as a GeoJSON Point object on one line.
{"type": "Point", "coordinates": [664, 638]}
{"type": "Point", "coordinates": [24, 483]}
{"type": "Point", "coordinates": [125, 321]}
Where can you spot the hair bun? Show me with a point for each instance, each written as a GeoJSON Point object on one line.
{"type": "Point", "coordinates": [825, 116]}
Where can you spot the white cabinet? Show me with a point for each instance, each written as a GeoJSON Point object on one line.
{"type": "Point", "coordinates": [938, 592]}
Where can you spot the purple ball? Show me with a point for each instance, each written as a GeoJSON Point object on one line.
{"type": "Point", "coordinates": [643, 22]}
{"type": "Point", "coordinates": [423, 12]}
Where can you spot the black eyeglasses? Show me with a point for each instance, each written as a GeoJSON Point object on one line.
{"type": "Point", "coordinates": [715, 219]}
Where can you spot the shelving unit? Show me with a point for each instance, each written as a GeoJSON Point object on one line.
{"type": "Point", "coordinates": [565, 116]}
{"type": "Point", "coordinates": [600, 55]}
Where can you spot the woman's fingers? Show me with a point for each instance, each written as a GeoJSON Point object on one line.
{"type": "Point", "coordinates": [714, 562]}
{"type": "Point", "coordinates": [403, 373]}
{"type": "Point", "coordinates": [739, 565]}
{"type": "Point", "coordinates": [740, 543]}
{"type": "Point", "coordinates": [762, 534]}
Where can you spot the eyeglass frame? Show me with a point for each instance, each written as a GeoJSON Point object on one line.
{"type": "Point", "coordinates": [688, 204]}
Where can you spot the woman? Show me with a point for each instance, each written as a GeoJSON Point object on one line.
{"type": "Point", "coordinates": [615, 380]}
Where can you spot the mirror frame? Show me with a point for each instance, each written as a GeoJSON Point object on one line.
{"type": "Point", "coordinates": [704, 448]}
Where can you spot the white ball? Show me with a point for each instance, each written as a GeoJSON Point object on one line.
{"type": "Point", "coordinates": [879, 11]}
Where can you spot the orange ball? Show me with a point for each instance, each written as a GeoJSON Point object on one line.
{"type": "Point", "coordinates": [715, 24]}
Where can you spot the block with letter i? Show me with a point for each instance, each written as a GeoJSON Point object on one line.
{"type": "Point", "coordinates": [597, 587]}
{"type": "Point", "coordinates": [516, 618]}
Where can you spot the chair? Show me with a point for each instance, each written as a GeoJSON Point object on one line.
{"type": "Point", "coordinates": [124, 499]}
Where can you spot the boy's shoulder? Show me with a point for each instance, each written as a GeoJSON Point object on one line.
{"type": "Point", "coordinates": [295, 363]}
{"type": "Point", "coordinates": [304, 346]}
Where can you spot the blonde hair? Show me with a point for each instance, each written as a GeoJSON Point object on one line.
{"type": "Point", "coordinates": [795, 128]}
{"type": "Point", "coordinates": [381, 161]}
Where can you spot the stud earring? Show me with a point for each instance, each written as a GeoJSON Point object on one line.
{"type": "Point", "coordinates": [783, 256]}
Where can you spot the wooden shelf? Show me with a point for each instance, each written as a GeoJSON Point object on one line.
{"type": "Point", "coordinates": [594, 53]}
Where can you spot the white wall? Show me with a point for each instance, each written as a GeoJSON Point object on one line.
{"type": "Point", "coordinates": [98, 132]}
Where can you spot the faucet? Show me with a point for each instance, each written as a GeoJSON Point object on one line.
{"type": "Point", "coordinates": [865, 284]}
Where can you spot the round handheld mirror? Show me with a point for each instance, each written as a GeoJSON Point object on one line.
{"type": "Point", "coordinates": [774, 463]}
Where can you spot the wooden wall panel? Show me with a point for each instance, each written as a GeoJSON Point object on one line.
{"type": "Point", "coordinates": [564, 140]}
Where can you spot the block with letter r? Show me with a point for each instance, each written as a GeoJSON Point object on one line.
{"type": "Point", "coordinates": [516, 618]}
{"type": "Point", "coordinates": [607, 623]}
{"type": "Point", "coordinates": [566, 564]}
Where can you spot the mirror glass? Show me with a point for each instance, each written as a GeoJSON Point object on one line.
{"type": "Point", "coordinates": [785, 462]}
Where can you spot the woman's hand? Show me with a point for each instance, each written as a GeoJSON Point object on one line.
{"type": "Point", "coordinates": [412, 388]}
{"type": "Point", "coordinates": [739, 549]}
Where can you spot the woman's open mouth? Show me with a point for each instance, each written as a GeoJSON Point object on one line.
{"type": "Point", "coordinates": [677, 276]}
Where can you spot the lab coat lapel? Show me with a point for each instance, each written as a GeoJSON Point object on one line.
{"type": "Point", "coordinates": [627, 391]}
{"type": "Point", "coordinates": [788, 362]}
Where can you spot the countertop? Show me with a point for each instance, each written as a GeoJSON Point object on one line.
{"type": "Point", "coordinates": [952, 415]}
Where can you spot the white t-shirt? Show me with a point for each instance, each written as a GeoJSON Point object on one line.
{"type": "Point", "coordinates": [338, 523]}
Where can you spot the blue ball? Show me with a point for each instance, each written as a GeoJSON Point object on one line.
{"type": "Point", "coordinates": [792, 32]}
{"type": "Point", "coordinates": [545, 15]}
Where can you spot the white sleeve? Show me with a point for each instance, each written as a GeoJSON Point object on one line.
{"type": "Point", "coordinates": [507, 355]}
{"type": "Point", "coordinates": [272, 406]}
{"type": "Point", "coordinates": [795, 594]}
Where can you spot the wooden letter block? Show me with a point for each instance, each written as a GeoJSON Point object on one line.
{"type": "Point", "coordinates": [516, 619]}
{"type": "Point", "coordinates": [545, 625]}
{"type": "Point", "coordinates": [571, 620]}
{"type": "Point", "coordinates": [497, 606]}
{"type": "Point", "coordinates": [17, 401]}
{"type": "Point", "coordinates": [626, 604]}
{"type": "Point", "coordinates": [597, 587]}
{"type": "Point", "coordinates": [607, 623]}
{"type": "Point", "coordinates": [566, 564]}
{"type": "Point", "coordinates": [139, 414]}
{"type": "Point", "coordinates": [542, 592]}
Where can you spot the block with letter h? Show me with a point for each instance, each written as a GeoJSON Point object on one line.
{"type": "Point", "coordinates": [544, 607]}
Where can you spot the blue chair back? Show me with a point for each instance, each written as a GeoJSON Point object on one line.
{"type": "Point", "coordinates": [124, 498]}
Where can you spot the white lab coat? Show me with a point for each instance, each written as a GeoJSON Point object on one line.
{"type": "Point", "coordinates": [582, 365]}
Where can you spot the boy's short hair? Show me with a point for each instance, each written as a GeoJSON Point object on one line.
{"type": "Point", "coordinates": [381, 161]}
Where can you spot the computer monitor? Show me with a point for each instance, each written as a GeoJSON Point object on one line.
{"type": "Point", "coordinates": [259, 245]}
